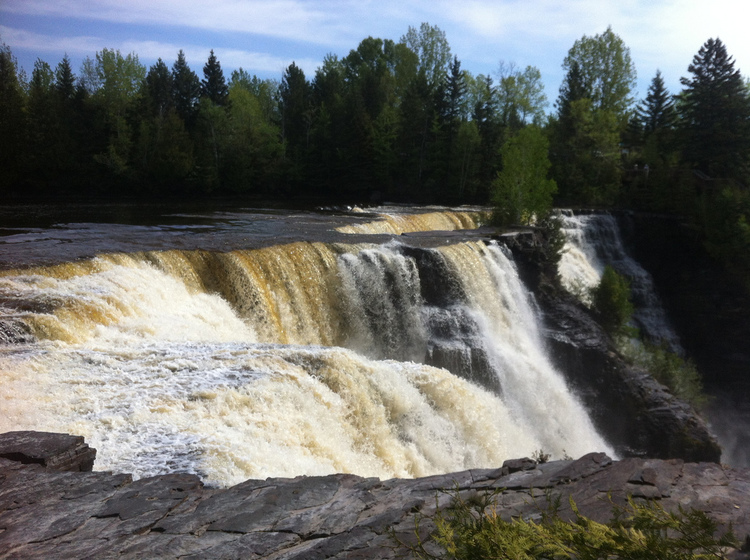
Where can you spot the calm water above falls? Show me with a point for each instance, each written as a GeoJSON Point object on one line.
{"type": "Point", "coordinates": [257, 344]}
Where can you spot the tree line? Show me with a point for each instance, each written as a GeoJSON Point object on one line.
{"type": "Point", "coordinates": [390, 120]}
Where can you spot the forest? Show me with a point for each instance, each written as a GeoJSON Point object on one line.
{"type": "Point", "coordinates": [397, 121]}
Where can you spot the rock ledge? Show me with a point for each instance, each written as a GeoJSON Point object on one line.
{"type": "Point", "coordinates": [48, 513]}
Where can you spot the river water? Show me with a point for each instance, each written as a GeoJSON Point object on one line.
{"type": "Point", "coordinates": [248, 343]}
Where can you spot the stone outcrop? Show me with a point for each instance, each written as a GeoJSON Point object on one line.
{"type": "Point", "coordinates": [56, 452]}
{"type": "Point", "coordinates": [52, 514]}
{"type": "Point", "coordinates": [636, 414]}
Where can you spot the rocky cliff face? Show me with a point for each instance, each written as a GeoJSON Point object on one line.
{"type": "Point", "coordinates": [47, 513]}
{"type": "Point", "coordinates": [635, 413]}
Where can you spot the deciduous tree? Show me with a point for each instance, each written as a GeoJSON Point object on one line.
{"type": "Point", "coordinates": [522, 191]}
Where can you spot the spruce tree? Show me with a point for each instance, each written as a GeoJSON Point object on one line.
{"type": "Point", "coordinates": [65, 81]}
{"type": "Point", "coordinates": [186, 88]}
{"type": "Point", "coordinates": [715, 112]}
{"type": "Point", "coordinates": [213, 85]}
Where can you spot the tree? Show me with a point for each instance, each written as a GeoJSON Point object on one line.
{"type": "Point", "coordinates": [296, 115]}
{"type": "Point", "coordinates": [522, 190]}
{"type": "Point", "coordinates": [158, 87]}
{"type": "Point", "coordinates": [715, 112]}
{"type": "Point", "coordinates": [43, 125]}
{"type": "Point", "coordinates": [593, 111]}
{"type": "Point", "coordinates": [431, 46]}
{"type": "Point", "coordinates": [521, 97]}
{"type": "Point", "coordinates": [12, 123]}
{"type": "Point", "coordinates": [117, 83]}
{"type": "Point", "coordinates": [186, 89]}
{"type": "Point", "coordinates": [657, 112]}
{"type": "Point", "coordinates": [213, 85]}
{"type": "Point", "coordinates": [611, 300]}
{"type": "Point", "coordinates": [607, 73]}
{"type": "Point", "coordinates": [65, 81]}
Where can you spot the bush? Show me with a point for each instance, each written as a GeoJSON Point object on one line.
{"type": "Point", "coordinates": [471, 529]}
{"type": "Point", "coordinates": [611, 299]}
{"type": "Point", "coordinates": [676, 373]}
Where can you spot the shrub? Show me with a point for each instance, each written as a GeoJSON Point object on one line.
{"type": "Point", "coordinates": [471, 529]}
{"type": "Point", "coordinates": [611, 299]}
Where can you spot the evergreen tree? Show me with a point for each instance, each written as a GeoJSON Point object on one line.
{"type": "Point", "coordinates": [715, 112]}
{"type": "Point", "coordinates": [42, 122]}
{"type": "Point", "coordinates": [12, 123]}
{"type": "Point", "coordinates": [213, 85]}
{"type": "Point", "coordinates": [657, 112]}
{"type": "Point", "coordinates": [65, 81]}
{"type": "Point", "coordinates": [186, 89]}
{"type": "Point", "coordinates": [158, 88]}
{"type": "Point", "coordinates": [296, 116]}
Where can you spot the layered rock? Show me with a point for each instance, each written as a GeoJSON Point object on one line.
{"type": "Point", "coordinates": [53, 514]}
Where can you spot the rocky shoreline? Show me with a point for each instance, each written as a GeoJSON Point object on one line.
{"type": "Point", "coordinates": [53, 506]}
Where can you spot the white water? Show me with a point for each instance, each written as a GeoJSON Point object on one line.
{"type": "Point", "coordinates": [212, 363]}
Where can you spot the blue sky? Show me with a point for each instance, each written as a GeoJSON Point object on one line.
{"type": "Point", "coordinates": [265, 36]}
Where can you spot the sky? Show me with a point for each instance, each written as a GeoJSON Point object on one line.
{"type": "Point", "coordinates": [265, 36]}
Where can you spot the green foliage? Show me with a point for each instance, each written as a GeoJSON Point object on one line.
{"type": "Point", "coordinates": [472, 529]}
{"type": "Point", "coordinates": [611, 299]}
{"type": "Point", "coordinates": [606, 72]}
{"type": "Point", "coordinates": [522, 191]}
{"type": "Point", "coordinates": [725, 219]}
{"type": "Point", "coordinates": [586, 161]}
{"type": "Point", "coordinates": [679, 375]}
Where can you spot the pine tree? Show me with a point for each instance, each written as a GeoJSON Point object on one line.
{"type": "Point", "coordinates": [213, 85]}
{"type": "Point", "coordinates": [715, 111]}
{"type": "Point", "coordinates": [186, 88]}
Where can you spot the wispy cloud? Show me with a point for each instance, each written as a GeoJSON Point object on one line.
{"type": "Point", "coordinates": [82, 46]}
{"type": "Point", "coordinates": [315, 22]}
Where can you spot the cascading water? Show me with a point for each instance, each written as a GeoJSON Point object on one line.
{"type": "Point", "coordinates": [592, 242]}
{"type": "Point", "coordinates": [233, 365]}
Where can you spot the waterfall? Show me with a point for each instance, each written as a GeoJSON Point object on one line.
{"type": "Point", "coordinates": [594, 241]}
{"type": "Point", "coordinates": [303, 358]}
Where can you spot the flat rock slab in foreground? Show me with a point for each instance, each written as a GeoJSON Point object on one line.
{"type": "Point", "coordinates": [62, 514]}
